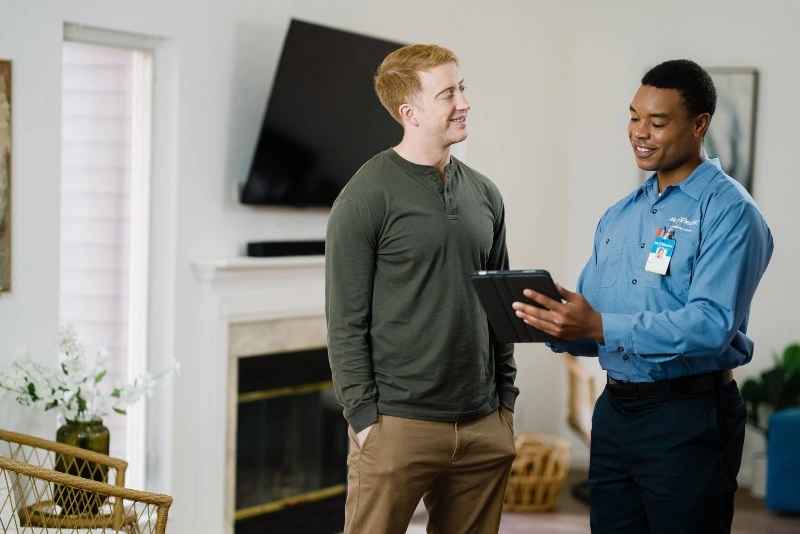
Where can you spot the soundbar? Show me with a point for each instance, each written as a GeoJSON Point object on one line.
{"type": "Point", "coordinates": [264, 249]}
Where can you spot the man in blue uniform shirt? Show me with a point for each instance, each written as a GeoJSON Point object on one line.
{"type": "Point", "coordinates": [668, 430]}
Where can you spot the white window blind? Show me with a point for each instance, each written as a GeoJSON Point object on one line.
{"type": "Point", "coordinates": [106, 112]}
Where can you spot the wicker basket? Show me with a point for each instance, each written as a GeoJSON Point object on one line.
{"type": "Point", "coordinates": [538, 473]}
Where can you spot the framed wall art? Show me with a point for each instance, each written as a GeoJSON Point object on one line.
{"type": "Point", "coordinates": [731, 135]}
{"type": "Point", "coordinates": [5, 175]}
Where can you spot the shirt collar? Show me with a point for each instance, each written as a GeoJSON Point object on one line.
{"type": "Point", "coordinates": [412, 168]}
{"type": "Point", "coordinates": [649, 183]}
{"type": "Point", "coordinates": [693, 185]}
{"type": "Point", "coordinates": [697, 182]}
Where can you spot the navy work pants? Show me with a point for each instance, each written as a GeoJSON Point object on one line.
{"type": "Point", "coordinates": [666, 465]}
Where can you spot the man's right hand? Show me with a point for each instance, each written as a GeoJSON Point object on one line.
{"type": "Point", "coordinates": [573, 320]}
{"type": "Point", "coordinates": [361, 436]}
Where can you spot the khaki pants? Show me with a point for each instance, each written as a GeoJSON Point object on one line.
{"type": "Point", "coordinates": [460, 469]}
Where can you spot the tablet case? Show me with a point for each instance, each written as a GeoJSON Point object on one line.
{"type": "Point", "coordinates": [497, 290]}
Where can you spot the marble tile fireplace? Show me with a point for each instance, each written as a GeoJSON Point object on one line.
{"type": "Point", "coordinates": [291, 446]}
{"type": "Point", "coordinates": [263, 327]}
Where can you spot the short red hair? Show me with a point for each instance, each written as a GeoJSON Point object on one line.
{"type": "Point", "coordinates": [397, 81]}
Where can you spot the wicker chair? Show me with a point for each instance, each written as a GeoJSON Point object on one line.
{"type": "Point", "coordinates": [538, 473]}
{"type": "Point", "coordinates": [50, 485]}
{"type": "Point", "coordinates": [582, 397]}
{"type": "Point", "coordinates": [62, 457]}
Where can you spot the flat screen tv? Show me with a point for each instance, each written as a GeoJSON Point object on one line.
{"type": "Point", "coordinates": [323, 119]}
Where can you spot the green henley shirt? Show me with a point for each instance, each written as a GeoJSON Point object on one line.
{"type": "Point", "coordinates": [406, 334]}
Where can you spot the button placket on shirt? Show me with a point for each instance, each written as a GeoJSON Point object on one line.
{"type": "Point", "coordinates": [433, 175]}
{"type": "Point", "coordinates": [451, 207]}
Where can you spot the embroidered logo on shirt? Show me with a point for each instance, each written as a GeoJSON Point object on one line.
{"type": "Point", "coordinates": [678, 221]}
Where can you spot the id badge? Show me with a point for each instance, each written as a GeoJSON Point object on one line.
{"type": "Point", "coordinates": [660, 255]}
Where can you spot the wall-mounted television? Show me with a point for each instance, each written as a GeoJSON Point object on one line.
{"type": "Point", "coordinates": [323, 119]}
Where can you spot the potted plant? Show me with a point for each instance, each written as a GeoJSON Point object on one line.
{"type": "Point", "coordinates": [72, 387]}
{"type": "Point", "coordinates": [775, 389]}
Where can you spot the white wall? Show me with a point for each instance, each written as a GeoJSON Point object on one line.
{"type": "Point", "coordinates": [29, 35]}
{"type": "Point", "coordinates": [549, 83]}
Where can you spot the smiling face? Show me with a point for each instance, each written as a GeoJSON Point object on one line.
{"type": "Point", "coordinates": [440, 108]}
{"type": "Point", "coordinates": [664, 137]}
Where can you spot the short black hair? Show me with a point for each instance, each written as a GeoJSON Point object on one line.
{"type": "Point", "coordinates": [693, 82]}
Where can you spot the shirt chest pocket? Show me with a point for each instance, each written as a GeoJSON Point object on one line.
{"type": "Point", "coordinates": [681, 268]}
{"type": "Point", "coordinates": [609, 256]}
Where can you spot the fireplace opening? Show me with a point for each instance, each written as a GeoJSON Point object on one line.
{"type": "Point", "coordinates": [291, 446]}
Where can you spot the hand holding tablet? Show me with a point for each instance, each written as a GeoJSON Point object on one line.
{"type": "Point", "coordinates": [498, 290]}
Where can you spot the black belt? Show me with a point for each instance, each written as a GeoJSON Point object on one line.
{"type": "Point", "coordinates": [666, 388]}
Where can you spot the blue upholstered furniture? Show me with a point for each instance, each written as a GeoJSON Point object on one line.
{"type": "Point", "coordinates": [783, 468]}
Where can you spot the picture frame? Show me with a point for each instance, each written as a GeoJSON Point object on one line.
{"type": "Point", "coordinates": [5, 175]}
{"type": "Point", "coordinates": [731, 135]}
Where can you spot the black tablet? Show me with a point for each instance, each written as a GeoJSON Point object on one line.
{"type": "Point", "coordinates": [497, 290]}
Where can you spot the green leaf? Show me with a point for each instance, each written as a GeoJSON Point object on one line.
{"type": "Point", "coordinates": [81, 403]}
{"type": "Point", "coordinates": [121, 412]}
{"type": "Point", "coordinates": [116, 393]}
{"type": "Point", "coordinates": [791, 359]}
{"type": "Point", "coordinates": [99, 377]}
{"type": "Point", "coordinates": [64, 368]}
{"type": "Point", "coordinates": [773, 380]}
{"type": "Point", "coordinates": [32, 391]}
{"type": "Point", "coordinates": [790, 396]}
{"type": "Point", "coordinates": [751, 391]}
{"type": "Point", "coordinates": [50, 405]}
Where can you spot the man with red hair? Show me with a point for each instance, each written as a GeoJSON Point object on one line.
{"type": "Point", "coordinates": [427, 391]}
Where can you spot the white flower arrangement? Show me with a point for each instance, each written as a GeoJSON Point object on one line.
{"type": "Point", "coordinates": [71, 388]}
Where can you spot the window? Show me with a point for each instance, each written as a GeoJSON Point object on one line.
{"type": "Point", "coordinates": [105, 216]}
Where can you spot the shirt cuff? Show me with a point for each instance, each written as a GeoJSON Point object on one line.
{"type": "Point", "coordinates": [363, 417]}
{"type": "Point", "coordinates": [586, 347]}
{"type": "Point", "coordinates": [617, 333]}
{"type": "Point", "coordinates": [508, 397]}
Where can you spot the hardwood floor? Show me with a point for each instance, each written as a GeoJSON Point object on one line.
{"type": "Point", "coordinates": [572, 517]}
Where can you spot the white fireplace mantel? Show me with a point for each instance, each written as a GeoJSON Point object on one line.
{"type": "Point", "coordinates": [253, 289]}
{"type": "Point", "coordinates": [247, 306]}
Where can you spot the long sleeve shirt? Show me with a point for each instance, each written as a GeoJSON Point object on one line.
{"type": "Point", "coordinates": [406, 333]}
{"type": "Point", "coordinates": [693, 319]}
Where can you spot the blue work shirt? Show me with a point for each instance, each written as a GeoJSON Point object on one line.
{"type": "Point", "coordinates": [693, 319]}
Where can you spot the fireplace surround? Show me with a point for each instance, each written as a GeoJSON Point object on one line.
{"type": "Point", "coordinates": [291, 446]}
{"type": "Point", "coordinates": [248, 307]}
